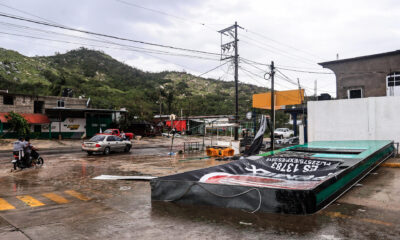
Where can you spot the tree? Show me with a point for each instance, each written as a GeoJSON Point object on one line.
{"type": "Point", "coordinates": [18, 123]}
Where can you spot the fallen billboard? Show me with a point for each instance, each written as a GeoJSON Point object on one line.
{"type": "Point", "coordinates": [300, 179]}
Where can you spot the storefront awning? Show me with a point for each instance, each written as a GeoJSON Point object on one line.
{"type": "Point", "coordinates": [31, 118]}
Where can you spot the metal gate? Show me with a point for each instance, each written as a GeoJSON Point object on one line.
{"type": "Point", "coordinates": [96, 121]}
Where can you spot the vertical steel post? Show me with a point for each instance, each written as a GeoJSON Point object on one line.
{"type": "Point", "coordinates": [59, 125]}
{"type": "Point", "coordinates": [272, 105]}
{"type": "Point", "coordinates": [254, 116]}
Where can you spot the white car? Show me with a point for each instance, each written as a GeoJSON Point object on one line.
{"type": "Point", "coordinates": [106, 144]}
{"type": "Point", "coordinates": [283, 133]}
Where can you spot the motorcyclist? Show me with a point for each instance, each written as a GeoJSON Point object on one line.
{"type": "Point", "coordinates": [18, 148]}
{"type": "Point", "coordinates": [28, 151]}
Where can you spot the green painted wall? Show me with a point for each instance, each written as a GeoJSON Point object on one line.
{"type": "Point", "coordinates": [96, 121]}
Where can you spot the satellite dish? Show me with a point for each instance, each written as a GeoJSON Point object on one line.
{"type": "Point", "coordinates": [249, 115]}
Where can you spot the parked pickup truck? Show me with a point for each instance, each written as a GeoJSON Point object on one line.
{"type": "Point", "coordinates": [283, 133]}
{"type": "Point", "coordinates": [116, 132]}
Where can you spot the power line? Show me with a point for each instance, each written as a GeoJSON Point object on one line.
{"type": "Point", "coordinates": [254, 62]}
{"type": "Point", "coordinates": [285, 78]}
{"type": "Point", "coordinates": [166, 14]}
{"type": "Point", "coordinates": [213, 68]}
{"type": "Point", "coordinates": [254, 66]}
{"type": "Point", "coordinates": [147, 52]}
{"type": "Point", "coordinates": [294, 82]}
{"type": "Point", "coordinates": [261, 77]}
{"type": "Point", "coordinates": [103, 35]}
{"type": "Point", "coordinates": [247, 72]}
{"type": "Point", "coordinates": [305, 61]}
{"type": "Point", "coordinates": [27, 13]}
{"type": "Point", "coordinates": [280, 43]}
{"type": "Point", "coordinates": [302, 71]}
{"type": "Point", "coordinates": [208, 71]}
{"type": "Point", "coordinates": [100, 46]}
{"type": "Point", "coordinates": [102, 41]}
{"type": "Point", "coordinates": [33, 15]}
{"type": "Point", "coordinates": [277, 50]}
{"type": "Point", "coordinates": [251, 77]}
{"type": "Point", "coordinates": [301, 68]}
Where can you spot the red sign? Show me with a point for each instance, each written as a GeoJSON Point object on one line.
{"type": "Point", "coordinates": [179, 125]}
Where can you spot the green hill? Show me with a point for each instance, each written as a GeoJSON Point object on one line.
{"type": "Point", "coordinates": [112, 84]}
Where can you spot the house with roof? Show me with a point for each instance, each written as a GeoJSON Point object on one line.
{"type": "Point", "coordinates": [367, 104]}
{"type": "Point", "coordinates": [54, 116]}
{"type": "Point", "coordinates": [367, 76]}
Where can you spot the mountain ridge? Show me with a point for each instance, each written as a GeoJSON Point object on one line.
{"type": "Point", "coordinates": [112, 84]}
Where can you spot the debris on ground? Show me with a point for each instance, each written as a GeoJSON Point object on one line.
{"type": "Point", "coordinates": [245, 223]}
{"type": "Point", "coordinates": [115, 177]}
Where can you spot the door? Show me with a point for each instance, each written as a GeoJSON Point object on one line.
{"type": "Point", "coordinates": [96, 121]}
{"type": "Point", "coordinates": [120, 145]}
{"type": "Point", "coordinates": [393, 84]}
{"type": "Point", "coordinates": [112, 143]}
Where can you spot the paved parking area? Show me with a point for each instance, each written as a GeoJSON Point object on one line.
{"type": "Point", "coordinates": [62, 201]}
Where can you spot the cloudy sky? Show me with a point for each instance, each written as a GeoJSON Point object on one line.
{"type": "Point", "coordinates": [294, 34]}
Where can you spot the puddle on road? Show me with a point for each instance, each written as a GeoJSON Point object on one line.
{"type": "Point", "coordinates": [75, 171]}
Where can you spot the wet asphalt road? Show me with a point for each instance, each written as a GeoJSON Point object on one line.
{"type": "Point", "coordinates": [61, 201]}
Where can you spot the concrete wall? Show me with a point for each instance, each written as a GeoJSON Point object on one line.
{"type": "Point", "coordinates": [369, 74]}
{"type": "Point", "coordinates": [375, 118]}
{"type": "Point", "coordinates": [22, 104]}
{"type": "Point", "coordinates": [69, 125]}
{"type": "Point", "coordinates": [25, 103]}
{"type": "Point", "coordinates": [51, 102]}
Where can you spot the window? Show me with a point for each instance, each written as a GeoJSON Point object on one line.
{"type": "Point", "coordinates": [97, 138]}
{"type": "Point", "coordinates": [37, 128]}
{"type": "Point", "coordinates": [117, 138]}
{"type": "Point", "coordinates": [8, 100]}
{"type": "Point", "coordinates": [111, 138]}
{"type": "Point", "coordinates": [393, 80]}
{"type": "Point", "coordinates": [355, 93]}
{"type": "Point", "coordinates": [60, 103]}
{"type": "Point", "coordinates": [38, 106]}
{"type": "Point", "coordinates": [393, 84]}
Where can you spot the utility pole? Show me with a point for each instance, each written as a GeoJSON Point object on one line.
{"type": "Point", "coordinates": [236, 85]}
{"type": "Point", "coordinates": [226, 53]}
{"type": "Point", "coordinates": [272, 105]}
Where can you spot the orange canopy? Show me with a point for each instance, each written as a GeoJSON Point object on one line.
{"type": "Point", "coordinates": [31, 118]}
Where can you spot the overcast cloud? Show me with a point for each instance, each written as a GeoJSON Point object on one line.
{"type": "Point", "coordinates": [320, 29]}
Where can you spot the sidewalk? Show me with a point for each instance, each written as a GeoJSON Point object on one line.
{"type": "Point", "coordinates": [7, 144]}
{"type": "Point", "coordinates": [74, 145]}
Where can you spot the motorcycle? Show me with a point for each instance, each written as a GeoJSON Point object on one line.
{"type": "Point", "coordinates": [21, 162]}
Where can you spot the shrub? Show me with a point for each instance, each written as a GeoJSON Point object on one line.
{"type": "Point", "coordinates": [18, 124]}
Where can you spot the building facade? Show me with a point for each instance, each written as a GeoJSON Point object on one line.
{"type": "Point", "coordinates": [367, 76]}
{"type": "Point", "coordinates": [56, 117]}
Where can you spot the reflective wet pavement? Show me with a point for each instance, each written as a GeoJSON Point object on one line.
{"type": "Point", "coordinates": [74, 206]}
